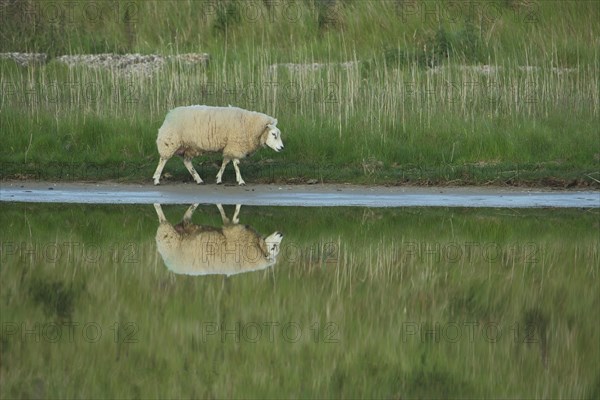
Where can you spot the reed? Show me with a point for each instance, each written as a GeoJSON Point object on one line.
{"type": "Point", "coordinates": [496, 95]}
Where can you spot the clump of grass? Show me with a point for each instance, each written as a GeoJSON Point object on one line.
{"type": "Point", "coordinates": [464, 44]}
{"type": "Point", "coordinates": [227, 13]}
{"type": "Point", "coordinates": [328, 14]}
{"type": "Point", "coordinates": [55, 297]}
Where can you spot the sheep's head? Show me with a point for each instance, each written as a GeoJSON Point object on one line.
{"type": "Point", "coordinates": [274, 137]}
{"type": "Point", "coordinates": [273, 242]}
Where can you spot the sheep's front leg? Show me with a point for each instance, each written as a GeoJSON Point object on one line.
{"type": "Point", "coordinates": [238, 175]}
{"type": "Point", "coordinates": [220, 173]}
{"type": "Point", "coordinates": [159, 168]}
{"type": "Point", "coordinates": [188, 164]}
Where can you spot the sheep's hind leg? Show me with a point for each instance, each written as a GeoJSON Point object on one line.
{"type": "Point", "coordinates": [236, 215]}
{"type": "Point", "coordinates": [223, 215]}
{"type": "Point", "coordinates": [188, 164]}
{"type": "Point", "coordinates": [238, 175]}
{"type": "Point", "coordinates": [159, 212]}
{"type": "Point", "coordinates": [220, 173]}
{"type": "Point", "coordinates": [187, 217]}
{"type": "Point", "coordinates": [159, 168]}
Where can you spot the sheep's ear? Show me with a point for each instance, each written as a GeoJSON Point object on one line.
{"type": "Point", "coordinates": [272, 124]}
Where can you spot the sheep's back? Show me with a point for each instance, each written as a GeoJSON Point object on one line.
{"type": "Point", "coordinates": [215, 128]}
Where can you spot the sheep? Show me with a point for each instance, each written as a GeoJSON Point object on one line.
{"type": "Point", "coordinates": [193, 130]}
{"type": "Point", "coordinates": [192, 249]}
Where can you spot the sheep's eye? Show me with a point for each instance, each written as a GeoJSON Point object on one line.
{"type": "Point", "coordinates": [275, 134]}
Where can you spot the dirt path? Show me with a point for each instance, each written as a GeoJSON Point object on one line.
{"type": "Point", "coordinates": [295, 195]}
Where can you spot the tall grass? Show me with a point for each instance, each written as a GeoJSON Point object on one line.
{"type": "Point", "coordinates": [456, 91]}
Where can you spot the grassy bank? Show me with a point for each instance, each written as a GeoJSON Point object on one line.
{"type": "Point", "coordinates": [378, 92]}
{"type": "Point", "coordinates": [411, 303]}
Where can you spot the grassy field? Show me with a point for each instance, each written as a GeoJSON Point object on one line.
{"type": "Point", "coordinates": [387, 303]}
{"type": "Point", "coordinates": [365, 91]}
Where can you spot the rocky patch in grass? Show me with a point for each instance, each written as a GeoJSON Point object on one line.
{"type": "Point", "coordinates": [127, 63]}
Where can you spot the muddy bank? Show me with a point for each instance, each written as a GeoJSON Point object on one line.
{"type": "Point", "coordinates": [319, 195]}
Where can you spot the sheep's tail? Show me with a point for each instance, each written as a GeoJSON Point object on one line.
{"type": "Point", "coordinates": [165, 141]}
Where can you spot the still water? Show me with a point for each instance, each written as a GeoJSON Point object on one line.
{"type": "Point", "coordinates": [112, 301]}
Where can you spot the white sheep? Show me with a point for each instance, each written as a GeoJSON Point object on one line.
{"type": "Point", "coordinates": [194, 130]}
{"type": "Point", "coordinates": [192, 249]}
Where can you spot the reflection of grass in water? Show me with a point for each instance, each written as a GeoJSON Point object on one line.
{"type": "Point", "coordinates": [374, 289]}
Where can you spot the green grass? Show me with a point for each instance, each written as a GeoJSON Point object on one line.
{"type": "Point", "coordinates": [373, 275]}
{"type": "Point", "coordinates": [415, 100]}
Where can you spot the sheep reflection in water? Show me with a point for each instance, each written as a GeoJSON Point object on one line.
{"type": "Point", "coordinates": [191, 249]}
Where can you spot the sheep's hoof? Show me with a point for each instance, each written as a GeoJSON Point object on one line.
{"type": "Point", "coordinates": [242, 183]}
{"type": "Point", "coordinates": [156, 183]}
{"type": "Point", "coordinates": [219, 183]}
{"type": "Point", "coordinates": [200, 183]}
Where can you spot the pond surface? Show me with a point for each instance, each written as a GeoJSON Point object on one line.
{"type": "Point", "coordinates": [116, 301]}
{"type": "Point", "coordinates": [323, 195]}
